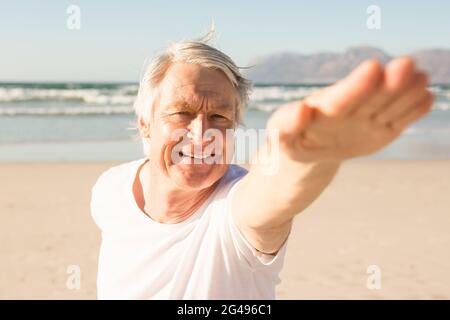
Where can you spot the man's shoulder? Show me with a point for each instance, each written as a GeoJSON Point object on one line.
{"type": "Point", "coordinates": [233, 174]}
{"type": "Point", "coordinates": [108, 192]}
{"type": "Point", "coordinates": [235, 171]}
{"type": "Point", "coordinates": [117, 174]}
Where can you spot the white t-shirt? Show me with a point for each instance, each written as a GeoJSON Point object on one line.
{"type": "Point", "coordinates": [203, 257]}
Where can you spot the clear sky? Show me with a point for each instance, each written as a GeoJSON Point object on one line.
{"type": "Point", "coordinates": [116, 36]}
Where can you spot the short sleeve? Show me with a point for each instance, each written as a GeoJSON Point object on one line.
{"type": "Point", "coordinates": [95, 209]}
{"type": "Point", "coordinates": [97, 199]}
{"type": "Point", "coordinates": [255, 258]}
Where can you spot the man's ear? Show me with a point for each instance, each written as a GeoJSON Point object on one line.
{"type": "Point", "coordinates": [144, 128]}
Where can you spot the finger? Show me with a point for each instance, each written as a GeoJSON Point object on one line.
{"type": "Point", "coordinates": [398, 75]}
{"type": "Point", "coordinates": [413, 94]}
{"type": "Point", "coordinates": [290, 119]}
{"type": "Point", "coordinates": [417, 112]}
{"type": "Point", "coordinates": [348, 93]}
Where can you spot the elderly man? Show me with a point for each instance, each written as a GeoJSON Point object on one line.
{"type": "Point", "coordinates": [176, 226]}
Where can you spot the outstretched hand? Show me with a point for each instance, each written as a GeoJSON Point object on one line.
{"type": "Point", "coordinates": [356, 116]}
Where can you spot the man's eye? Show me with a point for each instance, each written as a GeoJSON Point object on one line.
{"type": "Point", "coordinates": [218, 116]}
{"type": "Point", "coordinates": [182, 113]}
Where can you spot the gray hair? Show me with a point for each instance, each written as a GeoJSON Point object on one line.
{"type": "Point", "coordinates": [193, 52]}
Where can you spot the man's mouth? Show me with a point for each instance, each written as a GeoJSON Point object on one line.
{"type": "Point", "coordinates": [196, 156]}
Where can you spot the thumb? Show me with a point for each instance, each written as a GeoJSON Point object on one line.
{"type": "Point", "coordinates": [290, 120]}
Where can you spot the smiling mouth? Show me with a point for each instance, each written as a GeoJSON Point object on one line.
{"type": "Point", "coordinates": [195, 156]}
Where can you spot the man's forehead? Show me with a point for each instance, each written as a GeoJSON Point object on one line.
{"type": "Point", "coordinates": [194, 78]}
{"type": "Point", "coordinates": [209, 90]}
{"type": "Point", "coordinates": [196, 101]}
{"type": "Point", "coordinates": [196, 93]}
{"type": "Point", "coordinates": [182, 87]}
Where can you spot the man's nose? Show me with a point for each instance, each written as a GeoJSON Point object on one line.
{"type": "Point", "coordinates": [197, 128]}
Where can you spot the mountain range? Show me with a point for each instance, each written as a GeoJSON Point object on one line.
{"type": "Point", "coordinates": [327, 67]}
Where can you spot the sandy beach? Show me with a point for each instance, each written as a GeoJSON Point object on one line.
{"type": "Point", "coordinates": [392, 214]}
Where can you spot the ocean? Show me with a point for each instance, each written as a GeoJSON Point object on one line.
{"type": "Point", "coordinates": [93, 121]}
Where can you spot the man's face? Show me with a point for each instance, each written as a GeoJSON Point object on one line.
{"type": "Point", "coordinates": [192, 100]}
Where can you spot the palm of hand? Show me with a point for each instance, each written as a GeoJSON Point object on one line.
{"type": "Point", "coordinates": [345, 137]}
{"type": "Point", "coordinates": [357, 116]}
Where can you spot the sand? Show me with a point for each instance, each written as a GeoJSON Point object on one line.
{"type": "Point", "coordinates": [392, 214]}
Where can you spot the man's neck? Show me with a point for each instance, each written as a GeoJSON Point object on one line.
{"type": "Point", "coordinates": [164, 202]}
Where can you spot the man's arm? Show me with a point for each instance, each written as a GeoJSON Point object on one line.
{"type": "Point", "coordinates": [357, 116]}
{"type": "Point", "coordinates": [264, 206]}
